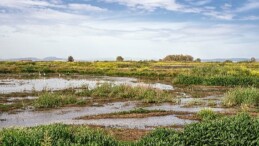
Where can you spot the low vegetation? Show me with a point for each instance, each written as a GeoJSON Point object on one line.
{"type": "Point", "coordinates": [207, 114]}
{"type": "Point", "coordinates": [238, 130]}
{"type": "Point", "coordinates": [219, 76]}
{"type": "Point", "coordinates": [145, 94]}
{"type": "Point", "coordinates": [242, 96]}
{"type": "Point", "coordinates": [52, 100]}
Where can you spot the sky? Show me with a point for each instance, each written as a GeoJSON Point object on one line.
{"type": "Point", "coordinates": [134, 29]}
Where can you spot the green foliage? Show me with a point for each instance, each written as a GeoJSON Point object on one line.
{"type": "Point", "coordinates": [50, 100]}
{"type": "Point", "coordinates": [119, 58]}
{"type": "Point", "coordinates": [54, 135]}
{"type": "Point", "coordinates": [70, 59]}
{"type": "Point", "coordinates": [239, 96]}
{"type": "Point", "coordinates": [161, 137]}
{"type": "Point", "coordinates": [178, 58]}
{"type": "Point", "coordinates": [146, 94]}
{"type": "Point", "coordinates": [238, 130]}
{"type": "Point", "coordinates": [207, 114]}
{"type": "Point", "coordinates": [219, 76]}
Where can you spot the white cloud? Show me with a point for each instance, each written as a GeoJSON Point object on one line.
{"type": "Point", "coordinates": [250, 18]}
{"type": "Point", "coordinates": [149, 5]}
{"type": "Point", "coordinates": [249, 6]}
{"type": "Point", "coordinates": [219, 15]}
{"type": "Point", "coordinates": [199, 2]}
{"type": "Point", "coordinates": [85, 7]}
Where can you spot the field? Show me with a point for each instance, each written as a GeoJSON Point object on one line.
{"type": "Point", "coordinates": [129, 103]}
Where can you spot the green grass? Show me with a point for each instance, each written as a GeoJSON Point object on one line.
{"type": "Point", "coordinates": [52, 100]}
{"type": "Point", "coordinates": [219, 75]}
{"type": "Point", "coordinates": [54, 135]}
{"type": "Point", "coordinates": [145, 94]}
{"type": "Point", "coordinates": [242, 96]}
{"type": "Point", "coordinates": [207, 114]}
{"type": "Point", "coordinates": [237, 130]}
{"type": "Point", "coordinates": [217, 80]}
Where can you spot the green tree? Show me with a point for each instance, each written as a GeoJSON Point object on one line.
{"type": "Point", "coordinates": [119, 58]}
{"type": "Point", "coordinates": [198, 60]}
{"type": "Point", "coordinates": [70, 59]}
{"type": "Point", "coordinates": [253, 59]}
{"type": "Point", "coordinates": [185, 58]}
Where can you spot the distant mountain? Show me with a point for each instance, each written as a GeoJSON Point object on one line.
{"type": "Point", "coordinates": [35, 59]}
{"type": "Point", "coordinates": [53, 59]}
{"type": "Point", "coordinates": [19, 59]}
{"type": "Point", "coordinates": [224, 59]}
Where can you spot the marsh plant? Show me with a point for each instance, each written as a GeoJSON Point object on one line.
{"type": "Point", "coordinates": [146, 94]}
{"type": "Point", "coordinates": [207, 114]}
{"type": "Point", "coordinates": [51, 100]}
{"type": "Point", "coordinates": [242, 97]}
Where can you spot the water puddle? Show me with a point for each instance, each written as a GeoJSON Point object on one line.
{"type": "Point", "coordinates": [33, 118]}
{"type": "Point", "coordinates": [29, 85]}
{"type": "Point", "coordinates": [169, 107]}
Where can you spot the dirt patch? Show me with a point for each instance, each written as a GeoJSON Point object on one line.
{"type": "Point", "coordinates": [133, 115]}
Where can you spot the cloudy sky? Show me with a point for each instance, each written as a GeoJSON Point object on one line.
{"type": "Point", "coordinates": [146, 29]}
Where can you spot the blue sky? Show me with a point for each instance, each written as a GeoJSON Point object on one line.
{"type": "Point", "coordinates": [138, 29]}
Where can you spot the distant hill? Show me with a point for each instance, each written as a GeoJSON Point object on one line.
{"type": "Point", "coordinates": [53, 59]}
{"type": "Point", "coordinates": [35, 59]}
{"type": "Point", "coordinates": [224, 59]}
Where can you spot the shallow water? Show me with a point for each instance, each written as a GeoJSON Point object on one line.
{"type": "Point", "coordinates": [34, 118]}
{"type": "Point", "coordinates": [169, 107]}
{"type": "Point", "coordinates": [29, 85]}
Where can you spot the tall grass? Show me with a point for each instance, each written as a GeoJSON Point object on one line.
{"type": "Point", "coordinates": [239, 96]}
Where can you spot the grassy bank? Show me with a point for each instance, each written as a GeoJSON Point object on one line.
{"type": "Point", "coordinates": [238, 130]}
